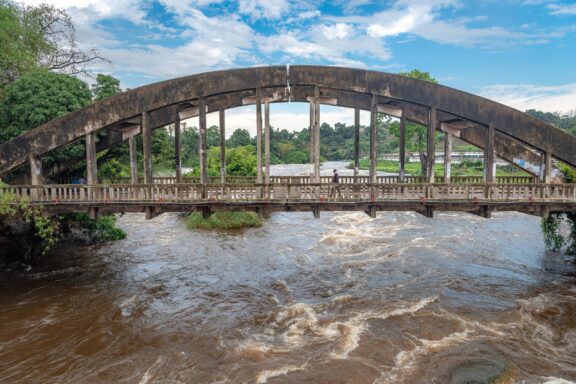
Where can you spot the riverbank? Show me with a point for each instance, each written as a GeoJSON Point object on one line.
{"type": "Point", "coordinates": [466, 168]}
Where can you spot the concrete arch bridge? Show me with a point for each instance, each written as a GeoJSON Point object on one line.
{"type": "Point", "coordinates": [499, 130]}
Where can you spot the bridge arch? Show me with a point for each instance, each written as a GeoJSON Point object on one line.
{"type": "Point", "coordinates": [498, 129]}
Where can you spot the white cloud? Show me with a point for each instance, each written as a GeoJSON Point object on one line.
{"type": "Point", "coordinates": [562, 9]}
{"type": "Point", "coordinates": [269, 9]}
{"type": "Point", "coordinates": [560, 98]}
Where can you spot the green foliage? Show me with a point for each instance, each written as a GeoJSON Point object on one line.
{"type": "Point", "coordinates": [571, 241]}
{"type": "Point", "coordinates": [564, 121]}
{"type": "Point", "coordinates": [37, 98]}
{"type": "Point", "coordinates": [569, 173]}
{"type": "Point", "coordinates": [41, 231]}
{"type": "Point", "coordinates": [239, 138]}
{"type": "Point", "coordinates": [113, 168]}
{"type": "Point", "coordinates": [105, 86]}
{"type": "Point", "coordinates": [224, 220]}
{"type": "Point", "coordinates": [240, 161]}
{"type": "Point", "coordinates": [420, 75]}
{"type": "Point", "coordinates": [99, 230]}
{"type": "Point", "coordinates": [551, 230]}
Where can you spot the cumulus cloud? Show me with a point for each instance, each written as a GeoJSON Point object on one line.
{"type": "Point", "coordinates": [560, 98]}
{"type": "Point", "coordinates": [562, 9]}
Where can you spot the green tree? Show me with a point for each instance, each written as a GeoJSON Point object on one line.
{"type": "Point", "coordinates": [37, 98]}
{"type": "Point", "coordinates": [239, 138]}
{"type": "Point", "coordinates": [105, 86]}
{"type": "Point", "coordinates": [38, 37]}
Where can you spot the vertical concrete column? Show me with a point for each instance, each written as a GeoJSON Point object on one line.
{"type": "Point", "coordinates": [402, 145]}
{"type": "Point", "coordinates": [373, 137]}
{"type": "Point", "coordinates": [258, 136]}
{"type": "Point", "coordinates": [91, 162]}
{"type": "Point", "coordinates": [489, 176]}
{"type": "Point", "coordinates": [177, 147]}
{"type": "Point", "coordinates": [147, 148]}
{"type": "Point", "coordinates": [202, 146]}
{"type": "Point", "coordinates": [447, 157]}
{"type": "Point", "coordinates": [133, 160]}
{"type": "Point", "coordinates": [36, 177]}
{"type": "Point", "coordinates": [356, 141]}
{"type": "Point", "coordinates": [431, 148]}
{"type": "Point", "coordinates": [546, 167]}
{"type": "Point", "coordinates": [267, 142]}
{"type": "Point", "coordinates": [222, 116]}
{"type": "Point", "coordinates": [311, 132]}
{"type": "Point", "coordinates": [316, 134]}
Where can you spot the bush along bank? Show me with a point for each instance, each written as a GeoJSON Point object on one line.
{"type": "Point", "coordinates": [224, 220]}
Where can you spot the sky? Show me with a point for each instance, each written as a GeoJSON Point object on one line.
{"type": "Point", "coordinates": [521, 53]}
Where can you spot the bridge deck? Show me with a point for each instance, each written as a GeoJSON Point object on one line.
{"type": "Point", "coordinates": [537, 199]}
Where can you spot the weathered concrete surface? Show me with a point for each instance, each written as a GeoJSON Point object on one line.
{"type": "Point", "coordinates": [350, 87]}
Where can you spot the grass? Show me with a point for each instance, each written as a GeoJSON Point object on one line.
{"type": "Point", "coordinates": [463, 169]}
{"type": "Point", "coordinates": [224, 220]}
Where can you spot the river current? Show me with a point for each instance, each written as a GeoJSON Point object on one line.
{"type": "Point", "coordinates": [340, 299]}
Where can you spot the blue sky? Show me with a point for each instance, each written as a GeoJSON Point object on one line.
{"type": "Point", "coordinates": [519, 52]}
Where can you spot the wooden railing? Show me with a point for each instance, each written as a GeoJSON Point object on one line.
{"type": "Point", "coordinates": [323, 179]}
{"type": "Point", "coordinates": [191, 193]}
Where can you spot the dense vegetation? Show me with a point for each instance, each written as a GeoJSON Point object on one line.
{"type": "Point", "coordinates": [224, 220]}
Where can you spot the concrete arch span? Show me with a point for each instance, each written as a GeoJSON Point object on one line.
{"type": "Point", "coordinates": [515, 135]}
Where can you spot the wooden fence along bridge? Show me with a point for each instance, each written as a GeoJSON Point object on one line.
{"type": "Point", "coordinates": [501, 131]}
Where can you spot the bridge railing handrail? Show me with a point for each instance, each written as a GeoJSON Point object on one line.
{"type": "Point", "coordinates": [60, 193]}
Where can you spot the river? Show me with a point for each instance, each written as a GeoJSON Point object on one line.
{"type": "Point", "coordinates": [340, 299]}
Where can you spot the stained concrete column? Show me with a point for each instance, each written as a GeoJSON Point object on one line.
{"type": "Point", "coordinates": [91, 162]}
{"type": "Point", "coordinates": [36, 177]}
{"type": "Point", "coordinates": [133, 160]}
{"type": "Point", "coordinates": [373, 137]}
{"type": "Point", "coordinates": [267, 142]}
{"type": "Point", "coordinates": [431, 147]}
{"type": "Point", "coordinates": [311, 132]}
{"type": "Point", "coordinates": [546, 168]}
{"type": "Point", "coordinates": [447, 157]}
{"type": "Point", "coordinates": [489, 176]}
{"type": "Point", "coordinates": [222, 116]}
{"type": "Point", "coordinates": [259, 135]}
{"type": "Point", "coordinates": [356, 141]}
{"type": "Point", "coordinates": [202, 146]}
{"type": "Point", "coordinates": [316, 134]}
{"type": "Point", "coordinates": [402, 145]}
{"type": "Point", "coordinates": [147, 148]}
{"type": "Point", "coordinates": [177, 148]}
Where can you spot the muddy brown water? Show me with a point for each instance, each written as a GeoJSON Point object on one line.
{"type": "Point", "coordinates": [341, 299]}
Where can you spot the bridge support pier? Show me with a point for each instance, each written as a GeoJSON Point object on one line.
{"type": "Point", "coordinates": [316, 211]}
{"type": "Point", "coordinates": [152, 212]}
{"type": "Point", "coordinates": [317, 136]}
{"type": "Point", "coordinates": [427, 211]}
{"type": "Point", "coordinates": [431, 147]}
{"type": "Point", "coordinates": [489, 173]}
{"type": "Point", "coordinates": [266, 142]}
{"type": "Point", "coordinates": [177, 147]}
{"type": "Point", "coordinates": [36, 176]}
{"type": "Point", "coordinates": [93, 213]}
{"type": "Point", "coordinates": [371, 211]}
{"type": "Point", "coordinates": [447, 157]}
{"type": "Point", "coordinates": [206, 212]}
{"type": "Point", "coordinates": [356, 142]}
{"type": "Point", "coordinates": [545, 167]}
{"type": "Point", "coordinates": [202, 146]}
{"type": "Point", "coordinates": [133, 160]}
{"type": "Point", "coordinates": [373, 137]}
{"type": "Point", "coordinates": [91, 162]}
{"type": "Point", "coordinates": [147, 147]}
{"type": "Point", "coordinates": [402, 146]}
{"type": "Point", "coordinates": [222, 117]}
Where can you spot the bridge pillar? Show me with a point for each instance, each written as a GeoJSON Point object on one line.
{"type": "Point", "coordinates": [133, 160]}
{"type": "Point", "coordinates": [311, 132]}
{"type": "Point", "coordinates": [431, 147]}
{"type": "Point", "coordinates": [222, 116]}
{"type": "Point", "coordinates": [373, 137]}
{"type": "Point", "coordinates": [267, 142]}
{"type": "Point", "coordinates": [202, 142]}
{"type": "Point", "coordinates": [177, 147]}
{"type": "Point", "coordinates": [36, 177]}
{"type": "Point", "coordinates": [402, 146]}
{"type": "Point", "coordinates": [147, 147]}
{"type": "Point", "coordinates": [447, 157]}
{"type": "Point", "coordinates": [489, 174]}
{"type": "Point", "coordinates": [545, 167]}
{"type": "Point", "coordinates": [317, 135]}
{"type": "Point", "coordinates": [91, 162]}
{"type": "Point", "coordinates": [356, 142]}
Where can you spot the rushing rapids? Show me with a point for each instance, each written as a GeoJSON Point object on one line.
{"type": "Point", "coordinates": [341, 299]}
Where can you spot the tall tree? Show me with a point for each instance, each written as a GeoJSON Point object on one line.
{"type": "Point", "coordinates": [105, 86]}
{"type": "Point", "coordinates": [39, 37]}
